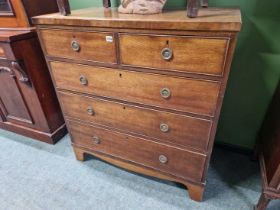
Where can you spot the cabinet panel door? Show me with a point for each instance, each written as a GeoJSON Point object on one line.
{"type": "Point", "coordinates": [12, 102]}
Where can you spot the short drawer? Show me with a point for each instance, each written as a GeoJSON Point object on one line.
{"type": "Point", "coordinates": [91, 46]}
{"type": "Point", "coordinates": [186, 95]}
{"type": "Point", "coordinates": [182, 163]}
{"type": "Point", "coordinates": [174, 129]}
{"type": "Point", "coordinates": [174, 53]}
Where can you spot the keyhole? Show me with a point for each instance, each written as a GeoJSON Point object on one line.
{"type": "Point", "coordinates": [167, 42]}
{"type": "Point", "coordinates": [120, 75]}
{"type": "Point", "coordinates": [124, 107]}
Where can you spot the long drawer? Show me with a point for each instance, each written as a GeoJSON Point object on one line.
{"type": "Point", "coordinates": [154, 155]}
{"type": "Point", "coordinates": [170, 128]}
{"type": "Point", "coordinates": [186, 95]}
{"type": "Point", "coordinates": [175, 53]}
{"type": "Point", "coordinates": [77, 45]}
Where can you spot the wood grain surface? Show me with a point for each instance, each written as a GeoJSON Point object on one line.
{"type": "Point", "coordinates": [208, 19]}
{"type": "Point", "coordinates": [191, 54]}
{"type": "Point", "coordinates": [196, 189]}
{"type": "Point", "coordinates": [187, 95]}
{"type": "Point", "coordinates": [93, 45]}
{"type": "Point", "coordinates": [184, 131]}
{"type": "Point", "coordinates": [181, 163]}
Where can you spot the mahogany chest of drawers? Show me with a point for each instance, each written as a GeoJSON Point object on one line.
{"type": "Point", "coordinates": [142, 92]}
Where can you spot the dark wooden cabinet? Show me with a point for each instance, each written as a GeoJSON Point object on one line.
{"type": "Point", "coordinates": [28, 103]}
{"type": "Point", "coordinates": [268, 149]}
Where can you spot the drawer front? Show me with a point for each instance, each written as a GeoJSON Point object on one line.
{"type": "Point", "coordinates": [91, 46]}
{"type": "Point", "coordinates": [167, 127]}
{"type": "Point", "coordinates": [174, 53]}
{"type": "Point", "coordinates": [187, 95]}
{"type": "Point", "coordinates": [158, 156]}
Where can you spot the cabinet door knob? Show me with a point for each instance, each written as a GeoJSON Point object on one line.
{"type": "Point", "coordinates": [90, 111]}
{"type": "Point", "coordinates": [96, 140]}
{"type": "Point", "coordinates": [165, 93]}
{"type": "Point", "coordinates": [166, 53]}
{"type": "Point", "coordinates": [164, 127]}
{"type": "Point", "coordinates": [163, 159]}
{"type": "Point", "coordinates": [75, 46]}
{"type": "Point", "coordinates": [83, 80]}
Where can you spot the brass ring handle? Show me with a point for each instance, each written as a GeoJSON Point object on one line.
{"type": "Point", "coordinates": [23, 76]}
{"type": "Point", "coordinates": [96, 140]}
{"type": "Point", "coordinates": [164, 127]}
{"type": "Point", "coordinates": [166, 53]}
{"type": "Point", "coordinates": [163, 159]}
{"type": "Point", "coordinates": [90, 111]}
{"type": "Point", "coordinates": [75, 46]}
{"type": "Point", "coordinates": [83, 80]}
{"type": "Point", "coordinates": [165, 93]}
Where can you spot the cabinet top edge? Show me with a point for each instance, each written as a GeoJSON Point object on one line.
{"type": "Point", "coordinates": [208, 19]}
{"type": "Point", "coordinates": [11, 35]}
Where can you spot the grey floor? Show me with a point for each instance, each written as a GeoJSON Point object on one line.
{"type": "Point", "coordinates": [38, 176]}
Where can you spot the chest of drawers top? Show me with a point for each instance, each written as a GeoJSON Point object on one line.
{"type": "Point", "coordinates": [209, 19]}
